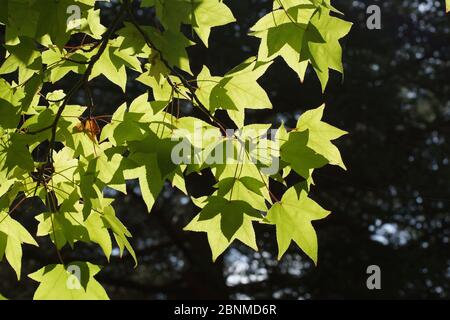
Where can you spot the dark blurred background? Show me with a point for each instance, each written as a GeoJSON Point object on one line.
{"type": "Point", "coordinates": [391, 208]}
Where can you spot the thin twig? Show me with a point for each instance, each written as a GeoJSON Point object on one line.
{"type": "Point", "coordinates": [85, 78]}
{"type": "Point", "coordinates": [185, 82]}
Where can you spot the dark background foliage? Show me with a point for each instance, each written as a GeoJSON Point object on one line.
{"type": "Point", "coordinates": [391, 208]}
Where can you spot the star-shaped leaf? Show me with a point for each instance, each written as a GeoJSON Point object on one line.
{"type": "Point", "coordinates": [225, 221]}
{"type": "Point", "coordinates": [292, 217]}
{"type": "Point", "coordinates": [302, 32]}
{"type": "Point", "coordinates": [320, 135]}
{"type": "Point", "coordinates": [282, 32]}
{"type": "Point", "coordinates": [73, 282]}
{"type": "Point", "coordinates": [323, 48]}
{"type": "Point", "coordinates": [236, 91]}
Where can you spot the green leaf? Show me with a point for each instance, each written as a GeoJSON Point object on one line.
{"type": "Point", "coordinates": [8, 106]}
{"type": "Point", "coordinates": [12, 236]}
{"type": "Point", "coordinates": [299, 156]}
{"type": "Point", "coordinates": [195, 139]}
{"type": "Point", "coordinates": [236, 91]}
{"type": "Point", "coordinates": [326, 54]}
{"type": "Point", "coordinates": [23, 57]}
{"type": "Point", "coordinates": [292, 217]}
{"type": "Point", "coordinates": [121, 233]}
{"type": "Point", "coordinates": [58, 66]}
{"type": "Point", "coordinates": [173, 46]}
{"type": "Point", "coordinates": [46, 21]}
{"type": "Point", "coordinates": [135, 123]}
{"type": "Point", "coordinates": [321, 134]}
{"type": "Point", "coordinates": [123, 126]}
{"type": "Point", "coordinates": [201, 14]}
{"type": "Point", "coordinates": [92, 26]}
{"type": "Point", "coordinates": [132, 38]}
{"type": "Point", "coordinates": [282, 32]}
{"type": "Point", "coordinates": [112, 67]}
{"type": "Point", "coordinates": [69, 226]}
{"type": "Point", "coordinates": [14, 153]}
{"type": "Point", "coordinates": [97, 229]}
{"type": "Point", "coordinates": [302, 31]}
{"type": "Point", "coordinates": [209, 14]}
{"type": "Point", "coordinates": [225, 221]}
{"type": "Point", "coordinates": [73, 282]}
{"type": "Point", "coordinates": [151, 162]}
{"type": "Point", "coordinates": [172, 12]}
{"type": "Point", "coordinates": [247, 189]}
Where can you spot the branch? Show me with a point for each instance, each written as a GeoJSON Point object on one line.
{"type": "Point", "coordinates": [85, 78]}
{"type": "Point", "coordinates": [185, 82]}
{"type": "Point", "coordinates": [75, 61]}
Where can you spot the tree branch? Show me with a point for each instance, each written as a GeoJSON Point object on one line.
{"type": "Point", "coordinates": [185, 82]}
{"type": "Point", "coordinates": [85, 78]}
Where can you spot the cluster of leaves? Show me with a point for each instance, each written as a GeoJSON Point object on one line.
{"type": "Point", "coordinates": [61, 154]}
